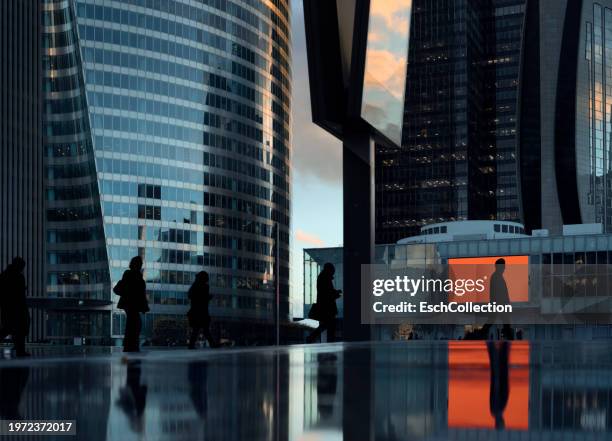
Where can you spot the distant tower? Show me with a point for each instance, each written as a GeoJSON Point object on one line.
{"type": "Point", "coordinates": [505, 118]}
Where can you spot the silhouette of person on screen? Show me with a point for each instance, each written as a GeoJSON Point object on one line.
{"type": "Point", "coordinates": [499, 390]}
{"type": "Point", "coordinates": [499, 289]}
{"type": "Point", "coordinates": [498, 294]}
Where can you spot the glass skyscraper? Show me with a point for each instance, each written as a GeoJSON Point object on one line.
{"type": "Point", "coordinates": [505, 37]}
{"type": "Point", "coordinates": [167, 135]}
{"type": "Point", "coordinates": [507, 117]}
{"type": "Point", "coordinates": [445, 167]}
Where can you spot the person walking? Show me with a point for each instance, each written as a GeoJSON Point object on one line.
{"type": "Point", "coordinates": [14, 315]}
{"type": "Point", "coordinates": [198, 315]}
{"type": "Point", "coordinates": [499, 294]}
{"type": "Point", "coordinates": [133, 292]}
{"type": "Point", "coordinates": [325, 310]}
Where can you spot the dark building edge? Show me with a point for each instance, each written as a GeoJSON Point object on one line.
{"type": "Point", "coordinates": [22, 206]}
{"type": "Point", "coordinates": [565, 116]}
{"type": "Point", "coordinates": [529, 134]}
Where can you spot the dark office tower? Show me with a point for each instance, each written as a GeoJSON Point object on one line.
{"type": "Point", "coordinates": [505, 40]}
{"type": "Point", "coordinates": [566, 100]}
{"type": "Point", "coordinates": [21, 164]}
{"type": "Point", "coordinates": [445, 168]}
{"type": "Point", "coordinates": [166, 136]}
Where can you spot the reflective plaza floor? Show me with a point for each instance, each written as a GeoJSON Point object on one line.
{"type": "Point", "coordinates": [379, 391]}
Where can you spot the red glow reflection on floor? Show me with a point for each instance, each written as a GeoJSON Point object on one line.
{"type": "Point", "coordinates": [469, 383]}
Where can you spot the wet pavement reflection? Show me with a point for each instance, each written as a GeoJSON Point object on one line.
{"type": "Point", "coordinates": [379, 391]}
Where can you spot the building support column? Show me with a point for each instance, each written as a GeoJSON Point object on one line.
{"type": "Point", "coordinates": [358, 182]}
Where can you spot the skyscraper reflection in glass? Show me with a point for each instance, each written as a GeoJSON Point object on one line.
{"type": "Point", "coordinates": [167, 136]}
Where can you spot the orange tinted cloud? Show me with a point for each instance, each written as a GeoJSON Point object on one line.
{"type": "Point", "coordinates": [393, 12]}
{"type": "Point", "coordinates": [308, 238]}
{"type": "Point", "coordinates": [385, 69]}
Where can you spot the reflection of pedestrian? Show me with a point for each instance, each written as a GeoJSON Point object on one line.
{"type": "Point", "coordinates": [197, 374]}
{"type": "Point", "coordinates": [327, 384]}
{"type": "Point", "coordinates": [198, 315]}
{"type": "Point", "coordinates": [133, 291]}
{"type": "Point", "coordinates": [326, 309]}
{"type": "Point", "coordinates": [14, 316]}
{"type": "Point", "coordinates": [13, 381]}
{"type": "Point", "coordinates": [499, 294]}
{"type": "Point", "coordinates": [499, 389]}
{"type": "Point", "coordinates": [133, 397]}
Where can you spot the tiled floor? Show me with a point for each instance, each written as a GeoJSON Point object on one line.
{"type": "Point", "coordinates": [380, 391]}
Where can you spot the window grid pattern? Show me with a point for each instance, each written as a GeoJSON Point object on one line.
{"type": "Point", "coordinates": [598, 49]}
{"type": "Point", "coordinates": [181, 110]}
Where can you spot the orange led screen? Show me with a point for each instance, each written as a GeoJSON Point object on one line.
{"type": "Point", "coordinates": [516, 276]}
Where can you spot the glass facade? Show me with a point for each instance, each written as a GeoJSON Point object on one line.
{"type": "Point", "coordinates": [169, 138]}
{"type": "Point", "coordinates": [507, 116]}
{"type": "Point", "coordinates": [595, 131]}
{"type": "Point", "coordinates": [571, 266]}
{"type": "Point", "coordinates": [458, 158]}
{"type": "Point", "coordinates": [565, 117]}
{"type": "Point", "coordinates": [507, 28]}
{"type": "Point", "coordinates": [77, 264]}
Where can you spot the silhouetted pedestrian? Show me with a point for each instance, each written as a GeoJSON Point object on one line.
{"type": "Point", "coordinates": [14, 316]}
{"type": "Point", "coordinates": [198, 315]}
{"type": "Point", "coordinates": [133, 291]}
{"type": "Point", "coordinates": [325, 310]}
{"type": "Point", "coordinates": [499, 294]}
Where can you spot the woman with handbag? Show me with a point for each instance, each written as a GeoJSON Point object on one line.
{"type": "Point", "coordinates": [325, 310]}
{"type": "Point", "coordinates": [133, 291]}
{"type": "Point", "coordinates": [198, 315]}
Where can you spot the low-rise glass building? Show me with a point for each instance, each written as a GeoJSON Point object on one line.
{"type": "Point", "coordinates": [573, 265]}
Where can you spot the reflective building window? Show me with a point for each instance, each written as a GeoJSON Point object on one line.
{"type": "Point", "coordinates": [168, 136]}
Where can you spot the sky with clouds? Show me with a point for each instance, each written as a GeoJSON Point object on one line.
{"type": "Point", "coordinates": [317, 170]}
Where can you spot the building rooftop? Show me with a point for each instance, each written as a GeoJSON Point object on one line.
{"type": "Point", "coordinates": [489, 229]}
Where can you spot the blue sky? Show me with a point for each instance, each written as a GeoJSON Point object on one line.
{"type": "Point", "coordinates": [317, 170]}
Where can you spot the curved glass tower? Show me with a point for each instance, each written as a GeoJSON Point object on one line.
{"type": "Point", "coordinates": [167, 136]}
